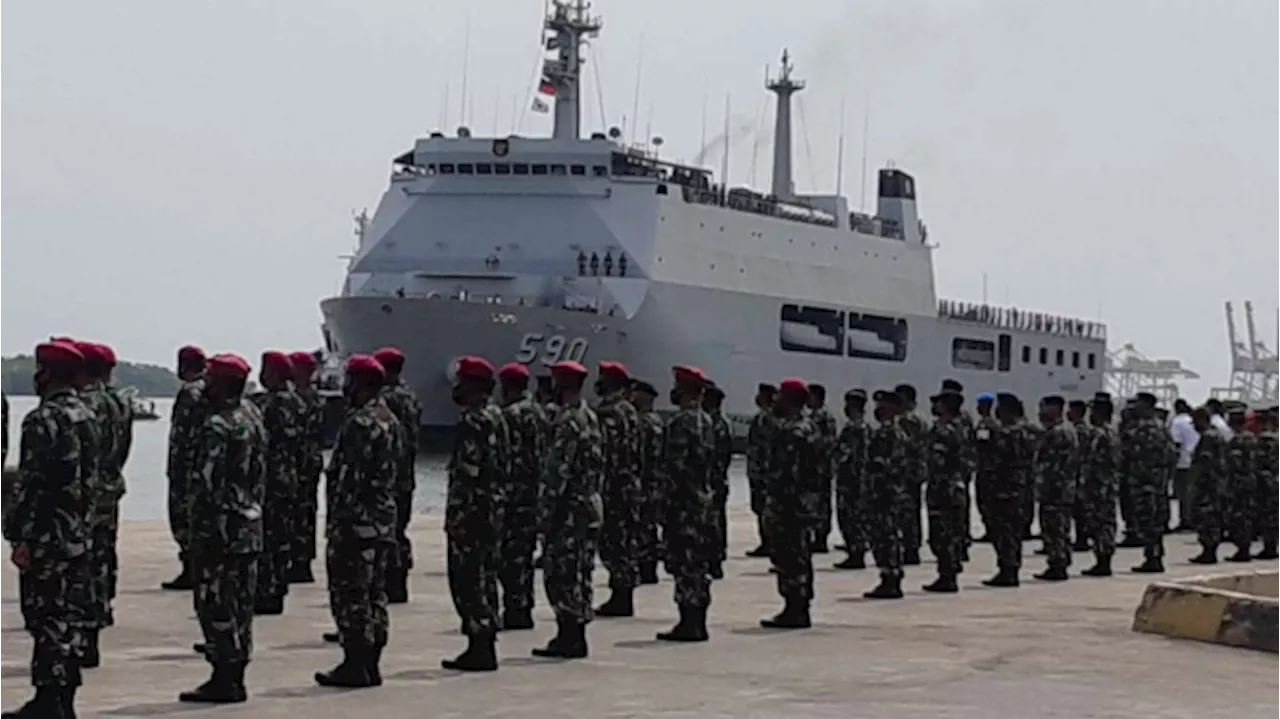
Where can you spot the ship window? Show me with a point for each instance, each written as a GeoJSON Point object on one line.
{"type": "Point", "coordinates": [484, 169]}
{"type": "Point", "coordinates": [1093, 361]}
{"type": "Point", "coordinates": [577, 169]}
{"type": "Point", "coordinates": [813, 330]}
{"type": "Point", "coordinates": [1075, 359]}
{"type": "Point", "coordinates": [1059, 357]}
{"type": "Point", "coordinates": [600, 170]}
{"type": "Point", "coordinates": [446, 168]}
{"type": "Point", "coordinates": [1026, 354]}
{"type": "Point", "coordinates": [1004, 357]}
{"type": "Point", "coordinates": [502, 168]}
{"type": "Point", "coordinates": [1044, 355]}
{"type": "Point", "coordinates": [877, 337]}
{"type": "Point", "coordinates": [973, 354]}
{"type": "Point", "coordinates": [466, 168]}
{"type": "Point", "coordinates": [559, 170]}
{"type": "Point", "coordinates": [539, 169]}
{"type": "Point", "coordinates": [520, 168]}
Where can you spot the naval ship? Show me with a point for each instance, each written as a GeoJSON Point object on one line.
{"type": "Point", "coordinates": [541, 249]}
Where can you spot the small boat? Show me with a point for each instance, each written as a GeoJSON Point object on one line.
{"type": "Point", "coordinates": [142, 410]}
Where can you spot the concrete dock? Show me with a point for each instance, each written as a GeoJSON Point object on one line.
{"type": "Point", "coordinates": [1044, 650]}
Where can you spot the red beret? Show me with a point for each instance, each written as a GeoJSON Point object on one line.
{"type": "Point", "coordinates": [365, 364]}
{"type": "Point", "coordinates": [513, 370]}
{"type": "Point", "coordinates": [92, 353]}
{"type": "Point", "coordinates": [59, 353]}
{"type": "Point", "coordinates": [472, 367]}
{"type": "Point", "coordinates": [392, 359]}
{"type": "Point", "coordinates": [615, 369]}
{"type": "Point", "coordinates": [793, 384]}
{"type": "Point", "coordinates": [108, 355]}
{"type": "Point", "coordinates": [302, 359]}
{"type": "Point", "coordinates": [569, 367]}
{"type": "Point", "coordinates": [227, 364]}
{"type": "Point", "coordinates": [64, 340]}
{"type": "Point", "coordinates": [688, 373]}
{"type": "Point", "coordinates": [278, 361]}
{"type": "Point", "coordinates": [190, 353]}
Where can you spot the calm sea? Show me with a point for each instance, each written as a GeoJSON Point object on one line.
{"type": "Point", "coordinates": [144, 473]}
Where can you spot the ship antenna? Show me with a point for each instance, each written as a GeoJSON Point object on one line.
{"type": "Point", "coordinates": [702, 141]}
{"type": "Point", "coordinates": [866, 127]}
{"type": "Point", "coordinates": [840, 152]}
{"type": "Point", "coordinates": [466, 56]}
{"type": "Point", "coordinates": [724, 159]}
{"type": "Point", "coordinates": [635, 97]}
{"type": "Point", "coordinates": [784, 87]}
{"type": "Point", "coordinates": [571, 27]}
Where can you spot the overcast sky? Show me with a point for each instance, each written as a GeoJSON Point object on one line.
{"type": "Point", "coordinates": [185, 171]}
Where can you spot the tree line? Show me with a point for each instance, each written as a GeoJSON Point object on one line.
{"type": "Point", "coordinates": [150, 380]}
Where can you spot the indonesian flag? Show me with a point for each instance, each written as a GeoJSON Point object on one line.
{"type": "Point", "coordinates": [546, 87]}
{"type": "Point", "coordinates": [540, 105]}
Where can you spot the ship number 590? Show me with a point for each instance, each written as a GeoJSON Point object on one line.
{"type": "Point", "coordinates": [549, 350]}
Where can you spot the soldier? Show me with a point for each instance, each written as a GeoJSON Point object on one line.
{"type": "Point", "coordinates": [1209, 466]}
{"type": "Point", "coordinates": [688, 530]}
{"type": "Point", "coordinates": [401, 400]}
{"type": "Point", "coordinates": [281, 409]}
{"type": "Point", "coordinates": [570, 512]}
{"type": "Point", "coordinates": [886, 475]}
{"type": "Point", "coordinates": [1011, 448]}
{"type": "Point", "coordinates": [545, 395]}
{"type": "Point", "coordinates": [4, 451]}
{"type": "Point", "coordinates": [1265, 501]}
{"type": "Point", "coordinates": [184, 421]}
{"type": "Point", "coordinates": [721, 457]}
{"type": "Point", "coordinates": [48, 525]}
{"type": "Point", "coordinates": [799, 474]}
{"type": "Point", "coordinates": [651, 432]}
{"type": "Point", "coordinates": [1057, 471]}
{"type": "Point", "coordinates": [758, 443]}
{"type": "Point", "coordinates": [984, 432]}
{"type": "Point", "coordinates": [946, 490]}
{"type": "Point", "coordinates": [916, 454]}
{"type": "Point", "coordinates": [620, 434]}
{"type": "Point", "coordinates": [1077, 411]}
{"type": "Point", "coordinates": [966, 423]}
{"type": "Point", "coordinates": [1098, 485]}
{"type": "Point", "coordinates": [1143, 458]}
{"type": "Point", "coordinates": [850, 459]}
{"type": "Point", "coordinates": [228, 492]}
{"type": "Point", "coordinates": [827, 428]}
{"type": "Point", "coordinates": [360, 524]}
{"type": "Point", "coordinates": [1132, 532]}
{"type": "Point", "coordinates": [311, 467]}
{"type": "Point", "coordinates": [1242, 485]}
{"type": "Point", "coordinates": [527, 425]}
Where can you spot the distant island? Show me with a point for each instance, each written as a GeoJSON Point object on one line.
{"type": "Point", "coordinates": [150, 380]}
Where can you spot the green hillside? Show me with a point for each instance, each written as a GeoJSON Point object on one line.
{"type": "Point", "coordinates": [151, 380]}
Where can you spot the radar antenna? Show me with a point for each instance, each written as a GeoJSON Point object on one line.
{"type": "Point", "coordinates": [784, 87]}
{"type": "Point", "coordinates": [569, 26]}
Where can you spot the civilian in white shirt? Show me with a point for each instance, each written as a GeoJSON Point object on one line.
{"type": "Point", "coordinates": [1184, 434]}
{"type": "Point", "coordinates": [1217, 420]}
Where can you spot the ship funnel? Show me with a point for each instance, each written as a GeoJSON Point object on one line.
{"type": "Point", "coordinates": [897, 203]}
{"type": "Point", "coordinates": [784, 86]}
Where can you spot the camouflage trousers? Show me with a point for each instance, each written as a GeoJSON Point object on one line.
{"type": "Point", "coordinates": [720, 522]}
{"type": "Point", "coordinates": [515, 569]}
{"type": "Point", "coordinates": [1149, 513]}
{"type": "Point", "coordinates": [104, 562]}
{"type": "Point", "coordinates": [473, 582]}
{"type": "Point", "coordinates": [792, 555]}
{"type": "Point", "coordinates": [822, 527]}
{"type": "Point", "coordinates": [886, 537]}
{"type": "Point", "coordinates": [650, 538]}
{"type": "Point", "coordinates": [304, 523]}
{"type": "Point", "coordinates": [402, 559]}
{"type": "Point", "coordinates": [1266, 509]}
{"type": "Point", "coordinates": [620, 534]}
{"type": "Point", "coordinates": [851, 513]}
{"type": "Point", "coordinates": [1006, 530]}
{"type": "Point", "coordinates": [982, 496]}
{"type": "Point", "coordinates": [1126, 497]}
{"type": "Point", "coordinates": [1097, 508]}
{"type": "Point", "coordinates": [948, 530]}
{"type": "Point", "coordinates": [357, 591]}
{"type": "Point", "coordinates": [1239, 511]}
{"type": "Point", "coordinates": [57, 610]}
{"type": "Point", "coordinates": [908, 516]}
{"type": "Point", "coordinates": [224, 593]}
{"type": "Point", "coordinates": [1055, 532]}
{"type": "Point", "coordinates": [759, 498]}
{"type": "Point", "coordinates": [1209, 511]}
{"type": "Point", "coordinates": [276, 556]}
{"type": "Point", "coordinates": [180, 514]}
{"type": "Point", "coordinates": [690, 546]}
{"type": "Point", "coordinates": [568, 559]}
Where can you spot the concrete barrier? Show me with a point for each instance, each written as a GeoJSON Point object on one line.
{"type": "Point", "coordinates": [1239, 610]}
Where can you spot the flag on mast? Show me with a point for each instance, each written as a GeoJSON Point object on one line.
{"type": "Point", "coordinates": [546, 87]}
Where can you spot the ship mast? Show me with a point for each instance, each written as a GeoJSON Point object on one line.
{"type": "Point", "coordinates": [784, 87]}
{"type": "Point", "coordinates": [570, 26]}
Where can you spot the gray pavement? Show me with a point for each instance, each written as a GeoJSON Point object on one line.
{"type": "Point", "coordinates": [1044, 650]}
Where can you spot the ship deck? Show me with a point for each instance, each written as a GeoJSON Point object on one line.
{"type": "Point", "coordinates": [1046, 650]}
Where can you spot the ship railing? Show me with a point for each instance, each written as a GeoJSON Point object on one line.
{"type": "Point", "coordinates": [475, 298]}
{"type": "Point", "coordinates": [1014, 318]}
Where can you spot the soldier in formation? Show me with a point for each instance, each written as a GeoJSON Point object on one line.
{"type": "Point", "coordinates": [758, 440]}
{"type": "Point", "coordinates": [400, 398]}
{"type": "Point", "coordinates": [1098, 488]}
{"type": "Point", "coordinates": [184, 421]}
{"type": "Point", "coordinates": [888, 472]}
{"type": "Point", "coordinates": [1056, 475]}
{"type": "Point", "coordinates": [1265, 509]}
{"type": "Point", "coordinates": [984, 459]}
{"type": "Point", "coordinates": [280, 409]}
{"type": "Point", "coordinates": [527, 429]}
{"type": "Point", "coordinates": [850, 460]}
{"type": "Point", "coordinates": [1241, 486]}
{"type": "Point", "coordinates": [914, 465]}
{"type": "Point", "coordinates": [1209, 466]}
{"type": "Point", "coordinates": [721, 457]}
{"type": "Point", "coordinates": [621, 493]}
{"type": "Point", "coordinates": [652, 430]}
{"type": "Point", "coordinates": [825, 423]}
{"type": "Point", "coordinates": [1010, 450]}
{"type": "Point", "coordinates": [1077, 417]}
{"type": "Point", "coordinates": [1144, 447]}
{"type": "Point", "coordinates": [799, 476]}
{"type": "Point", "coordinates": [311, 466]}
{"type": "Point", "coordinates": [946, 490]}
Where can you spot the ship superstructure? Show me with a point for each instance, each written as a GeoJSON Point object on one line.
{"type": "Point", "coordinates": [538, 249]}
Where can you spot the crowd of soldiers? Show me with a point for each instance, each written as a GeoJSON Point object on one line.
{"type": "Point", "coordinates": [534, 464]}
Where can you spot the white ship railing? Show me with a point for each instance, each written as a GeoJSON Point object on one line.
{"type": "Point", "coordinates": [1014, 318]}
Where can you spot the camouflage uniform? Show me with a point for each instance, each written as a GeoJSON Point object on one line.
{"type": "Point", "coordinates": [945, 494]}
{"type": "Point", "coordinates": [104, 501]}
{"type": "Point", "coordinates": [1143, 460]}
{"type": "Point", "coordinates": [1265, 509]}
{"type": "Point", "coordinates": [1242, 485]}
{"type": "Point", "coordinates": [228, 492]}
{"type": "Point", "coordinates": [360, 523]}
{"type": "Point", "coordinates": [478, 468]}
{"type": "Point", "coordinates": [621, 495]}
{"type": "Point", "coordinates": [886, 477]}
{"type": "Point", "coordinates": [1078, 518]}
{"type": "Point", "coordinates": [915, 464]}
{"type": "Point", "coordinates": [758, 443]}
{"type": "Point", "coordinates": [721, 457]}
{"type": "Point", "coordinates": [50, 515]}
{"type": "Point", "coordinates": [850, 459]}
{"type": "Point", "coordinates": [280, 410]}
{"type": "Point", "coordinates": [688, 528]}
{"type": "Point", "coordinates": [799, 476]}
{"type": "Point", "coordinates": [1099, 486]}
{"type": "Point", "coordinates": [985, 459]}
{"type": "Point", "coordinates": [1057, 471]}
{"type": "Point", "coordinates": [1210, 465]}
{"type": "Point", "coordinates": [527, 428]}
{"type": "Point", "coordinates": [311, 467]}
{"type": "Point", "coordinates": [570, 511]}
{"type": "Point", "coordinates": [1012, 450]}
{"type": "Point", "coordinates": [827, 427]}
{"type": "Point", "coordinates": [652, 430]}
{"type": "Point", "coordinates": [404, 403]}
{"type": "Point", "coordinates": [184, 422]}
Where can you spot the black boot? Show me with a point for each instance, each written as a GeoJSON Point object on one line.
{"type": "Point", "coordinates": [853, 561]}
{"type": "Point", "coordinates": [269, 606]}
{"type": "Point", "coordinates": [46, 704]}
{"type": "Point", "coordinates": [890, 587]}
{"type": "Point", "coordinates": [1268, 551]}
{"type": "Point", "coordinates": [911, 557]}
{"type": "Point", "coordinates": [1150, 565]}
{"type": "Point", "coordinates": [1242, 554]}
{"type": "Point", "coordinates": [794, 615]}
{"type": "Point", "coordinates": [1053, 573]}
{"type": "Point", "coordinates": [944, 584]}
{"type": "Point", "coordinates": [397, 586]}
{"type": "Point", "coordinates": [760, 551]}
{"type": "Point", "coordinates": [300, 572]}
{"type": "Point", "coordinates": [183, 581]}
{"type": "Point", "coordinates": [332, 637]}
{"type": "Point", "coordinates": [373, 665]}
{"type": "Point", "coordinates": [517, 619]}
{"type": "Point", "coordinates": [1101, 567]}
{"type": "Point", "coordinates": [620, 604]}
{"type": "Point", "coordinates": [649, 573]}
{"type": "Point", "coordinates": [1209, 555]}
{"type": "Point", "coordinates": [67, 702]}
{"type": "Point", "coordinates": [351, 673]}
{"type": "Point", "coordinates": [480, 656]}
{"type": "Point", "coordinates": [570, 641]}
{"type": "Point", "coordinates": [92, 657]}
{"type": "Point", "coordinates": [692, 626]}
{"type": "Point", "coordinates": [1004, 578]}
{"type": "Point", "coordinates": [226, 686]}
